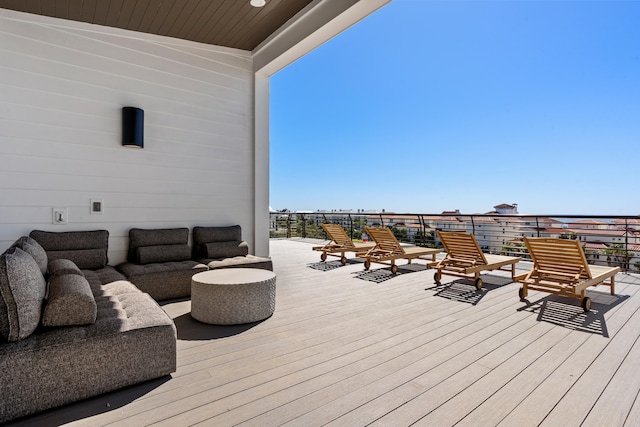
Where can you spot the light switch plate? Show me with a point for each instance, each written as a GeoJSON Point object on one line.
{"type": "Point", "coordinates": [59, 216]}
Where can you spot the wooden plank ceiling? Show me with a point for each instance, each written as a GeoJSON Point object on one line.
{"type": "Point", "coordinates": [230, 23]}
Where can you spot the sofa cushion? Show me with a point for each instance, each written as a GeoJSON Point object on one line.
{"type": "Point", "coordinates": [22, 290]}
{"type": "Point", "coordinates": [217, 250]}
{"type": "Point", "coordinates": [248, 261]}
{"type": "Point", "coordinates": [58, 267]}
{"type": "Point", "coordinates": [102, 276]}
{"type": "Point", "coordinates": [204, 235]}
{"type": "Point", "coordinates": [139, 237]}
{"type": "Point", "coordinates": [34, 249]}
{"type": "Point", "coordinates": [87, 249]}
{"type": "Point", "coordinates": [162, 253]}
{"type": "Point", "coordinates": [69, 302]}
{"type": "Point", "coordinates": [85, 259]}
{"type": "Point", "coordinates": [164, 280]}
{"type": "Point", "coordinates": [218, 234]}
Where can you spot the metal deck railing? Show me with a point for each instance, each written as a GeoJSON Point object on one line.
{"type": "Point", "coordinates": [606, 239]}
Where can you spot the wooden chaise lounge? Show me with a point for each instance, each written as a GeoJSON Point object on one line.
{"type": "Point", "coordinates": [560, 267]}
{"type": "Point", "coordinates": [340, 244]}
{"type": "Point", "coordinates": [387, 250]}
{"type": "Point", "coordinates": [464, 257]}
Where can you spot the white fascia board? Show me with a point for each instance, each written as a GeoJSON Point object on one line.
{"type": "Point", "coordinates": [313, 26]}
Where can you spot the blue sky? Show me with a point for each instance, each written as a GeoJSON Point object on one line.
{"type": "Point", "coordinates": [427, 106]}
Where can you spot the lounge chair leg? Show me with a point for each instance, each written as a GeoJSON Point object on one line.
{"type": "Point", "coordinates": [323, 256]}
{"type": "Point", "coordinates": [437, 276]}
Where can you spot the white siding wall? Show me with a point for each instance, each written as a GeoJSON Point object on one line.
{"type": "Point", "coordinates": [62, 88]}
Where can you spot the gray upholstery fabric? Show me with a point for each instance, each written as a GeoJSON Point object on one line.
{"type": "Point", "coordinates": [104, 275]}
{"type": "Point", "coordinates": [22, 289]}
{"type": "Point", "coordinates": [222, 247]}
{"type": "Point", "coordinates": [218, 234]}
{"type": "Point", "coordinates": [163, 280]}
{"type": "Point", "coordinates": [226, 249]}
{"type": "Point", "coordinates": [69, 302]}
{"type": "Point", "coordinates": [132, 340]}
{"type": "Point", "coordinates": [71, 240]}
{"type": "Point", "coordinates": [153, 237]}
{"type": "Point", "coordinates": [248, 261]}
{"type": "Point", "coordinates": [88, 259]}
{"type": "Point", "coordinates": [162, 253]}
{"type": "Point", "coordinates": [58, 267]}
{"type": "Point", "coordinates": [34, 249]}
{"type": "Point", "coordinates": [87, 249]}
{"type": "Point", "coordinates": [248, 297]}
{"type": "Point", "coordinates": [202, 235]}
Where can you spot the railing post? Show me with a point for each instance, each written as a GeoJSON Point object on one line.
{"type": "Point", "coordinates": [324, 221]}
{"type": "Point", "coordinates": [304, 226]}
{"type": "Point", "coordinates": [350, 226]}
{"type": "Point", "coordinates": [288, 225]}
{"type": "Point", "coordinates": [537, 228]}
{"type": "Point", "coordinates": [626, 258]}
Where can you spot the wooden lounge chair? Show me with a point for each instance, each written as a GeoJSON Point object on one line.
{"type": "Point", "coordinates": [387, 250]}
{"type": "Point", "coordinates": [340, 244]}
{"type": "Point", "coordinates": [560, 267]}
{"type": "Point", "coordinates": [464, 257]}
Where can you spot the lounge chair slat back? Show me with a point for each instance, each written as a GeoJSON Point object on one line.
{"type": "Point", "coordinates": [462, 246]}
{"type": "Point", "coordinates": [340, 244]}
{"type": "Point", "coordinates": [560, 256]}
{"type": "Point", "coordinates": [338, 235]}
{"type": "Point", "coordinates": [385, 240]}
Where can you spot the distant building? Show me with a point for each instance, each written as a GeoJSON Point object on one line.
{"type": "Point", "coordinates": [505, 209]}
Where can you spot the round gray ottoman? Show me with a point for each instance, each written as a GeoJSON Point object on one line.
{"type": "Point", "coordinates": [232, 296]}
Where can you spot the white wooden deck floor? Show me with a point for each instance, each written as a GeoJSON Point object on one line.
{"type": "Point", "coordinates": [350, 348]}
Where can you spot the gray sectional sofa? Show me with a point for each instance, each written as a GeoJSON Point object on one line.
{"type": "Point", "coordinates": [159, 262]}
{"type": "Point", "coordinates": [71, 326]}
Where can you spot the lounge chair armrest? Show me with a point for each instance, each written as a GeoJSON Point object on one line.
{"type": "Point", "coordinates": [520, 277]}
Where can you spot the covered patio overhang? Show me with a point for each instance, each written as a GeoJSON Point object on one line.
{"type": "Point", "coordinates": [200, 70]}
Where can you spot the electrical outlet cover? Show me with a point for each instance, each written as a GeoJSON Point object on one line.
{"type": "Point", "coordinates": [97, 206]}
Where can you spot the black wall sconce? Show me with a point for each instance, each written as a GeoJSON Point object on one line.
{"type": "Point", "coordinates": [132, 127]}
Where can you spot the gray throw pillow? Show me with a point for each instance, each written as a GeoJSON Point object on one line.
{"type": "Point", "coordinates": [22, 290]}
{"type": "Point", "coordinates": [58, 267]}
{"type": "Point", "coordinates": [226, 249]}
{"type": "Point", "coordinates": [162, 253]}
{"type": "Point", "coordinates": [69, 302]}
{"type": "Point", "coordinates": [34, 249]}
